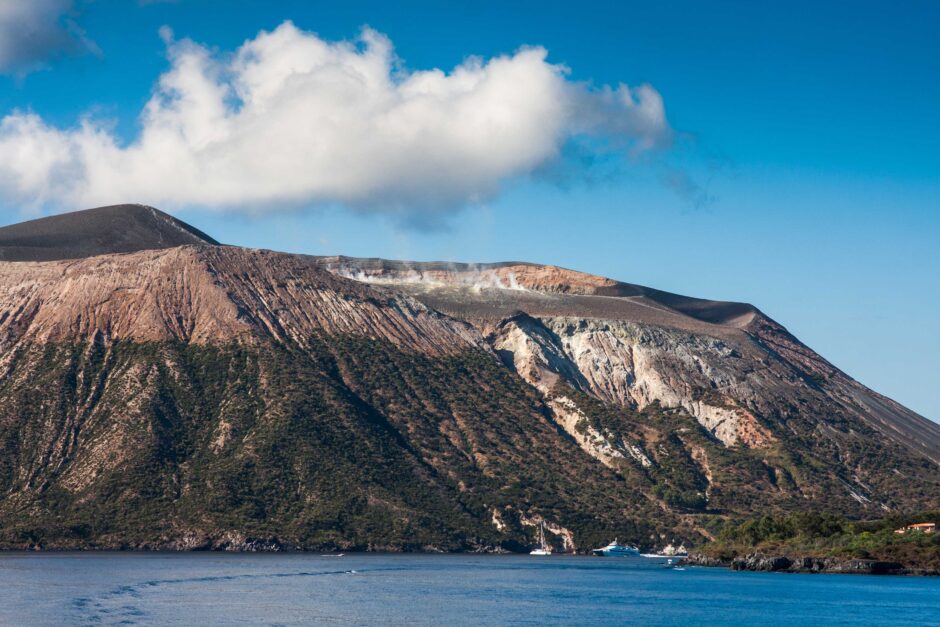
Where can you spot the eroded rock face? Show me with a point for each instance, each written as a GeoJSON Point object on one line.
{"type": "Point", "coordinates": [567, 538]}
{"type": "Point", "coordinates": [206, 294]}
{"type": "Point", "coordinates": [633, 366]}
{"type": "Point", "coordinates": [604, 447]}
{"type": "Point", "coordinates": [536, 354]}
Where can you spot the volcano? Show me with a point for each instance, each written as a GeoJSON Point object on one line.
{"type": "Point", "coordinates": [162, 391]}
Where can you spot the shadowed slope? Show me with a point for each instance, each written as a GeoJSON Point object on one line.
{"type": "Point", "coordinates": [114, 229]}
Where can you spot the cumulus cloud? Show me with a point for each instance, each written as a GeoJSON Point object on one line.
{"type": "Point", "coordinates": [32, 31]}
{"type": "Point", "coordinates": [289, 119]}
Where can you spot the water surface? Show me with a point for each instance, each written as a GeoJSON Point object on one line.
{"type": "Point", "coordinates": [369, 589]}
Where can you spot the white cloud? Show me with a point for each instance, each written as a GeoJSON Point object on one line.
{"type": "Point", "coordinates": [33, 30]}
{"type": "Point", "coordinates": [292, 120]}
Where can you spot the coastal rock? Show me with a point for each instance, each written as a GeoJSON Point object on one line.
{"type": "Point", "coordinates": [237, 541]}
{"type": "Point", "coordinates": [761, 562]}
{"type": "Point", "coordinates": [804, 564]}
{"type": "Point", "coordinates": [700, 559]}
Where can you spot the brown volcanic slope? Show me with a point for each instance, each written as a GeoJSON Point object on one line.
{"type": "Point", "coordinates": [114, 229]}
{"type": "Point", "coordinates": [206, 294]}
{"type": "Point", "coordinates": [488, 294]}
{"type": "Point", "coordinates": [499, 289]}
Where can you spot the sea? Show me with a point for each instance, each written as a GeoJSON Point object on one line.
{"type": "Point", "coordinates": [202, 589]}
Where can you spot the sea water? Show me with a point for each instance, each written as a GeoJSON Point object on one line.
{"type": "Point", "coordinates": [378, 589]}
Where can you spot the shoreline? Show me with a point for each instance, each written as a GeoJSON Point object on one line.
{"type": "Point", "coordinates": [326, 551]}
{"type": "Point", "coordinates": [761, 562]}
{"type": "Point", "coordinates": [755, 562]}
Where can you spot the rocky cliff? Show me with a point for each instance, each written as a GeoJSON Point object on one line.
{"type": "Point", "coordinates": [176, 393]}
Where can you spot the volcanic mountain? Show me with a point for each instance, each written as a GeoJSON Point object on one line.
{"type": "Point", "coordinates": [115, 229]}
{"type": "Point", "coordinates": [163, 391]}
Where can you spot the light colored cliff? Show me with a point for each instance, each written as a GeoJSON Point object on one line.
{"type": "Point", "coordinates": [632, 365]}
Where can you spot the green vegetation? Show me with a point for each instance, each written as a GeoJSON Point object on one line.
{"type": "Point", "coordinates": [344, 442]}
{"type": "Point", "coordinates": [694, 474]}
{"type": "Point", "coordinates": [348, 442]}
{"type": "Point", "coordinates": [823, 535]}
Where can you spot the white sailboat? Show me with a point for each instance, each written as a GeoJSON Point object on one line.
{"type": "Point", "coordinates": [543, 549]}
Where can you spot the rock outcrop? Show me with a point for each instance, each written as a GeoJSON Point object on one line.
{"type": "Point", "coordinates": [630, 365]}
{"type": "Point", "coordinates": [783, 563]}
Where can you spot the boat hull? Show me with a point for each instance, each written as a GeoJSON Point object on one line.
{"type": "Point", "coordinates": [617, 552]}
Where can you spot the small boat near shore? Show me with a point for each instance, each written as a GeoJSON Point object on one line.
{"type": "Point", "coordinates": [615, 549]}
{"type": "Point", "coordinates": [543, 548]}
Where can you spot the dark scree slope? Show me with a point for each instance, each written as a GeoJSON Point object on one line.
{"type": "Point", "coordinates": [100, 231]}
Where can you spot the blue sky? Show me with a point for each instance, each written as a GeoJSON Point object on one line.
{"type": "Point", "coordinates": [801, 171]}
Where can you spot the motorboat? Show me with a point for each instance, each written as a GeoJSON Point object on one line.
{"type": "Point", "coordinates": [615, 549]}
